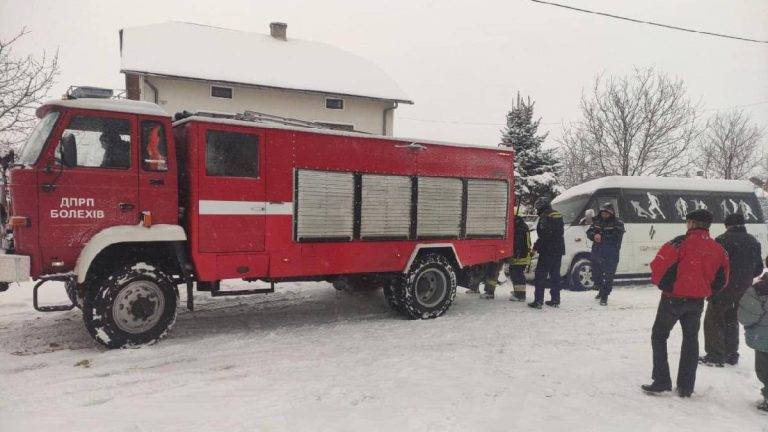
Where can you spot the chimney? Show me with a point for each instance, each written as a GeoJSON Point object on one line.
{"type": "Point", "coordinates": [278, 30]}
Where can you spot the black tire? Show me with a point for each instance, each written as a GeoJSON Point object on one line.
{"type": "Point", "coordinates": [581, 277]}
{"type": "Point", "coordinates": [394, 293]}
{"type": "Point", "coordinates": [133, 306]}
{"type": "Point", "coordinates": [429, 287]}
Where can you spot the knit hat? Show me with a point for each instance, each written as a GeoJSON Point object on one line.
{"type": "Point", "coordinates": [701, 215]}
{"type": "Point", "coordinates": [734, 219]}
{"type": "Point", "coordinates": [608, 207]}
{"type": "Point", "coordinates": [541, 204]}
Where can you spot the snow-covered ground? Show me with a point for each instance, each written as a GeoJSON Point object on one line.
{"type": "Point", "coordinates": [309, 358]}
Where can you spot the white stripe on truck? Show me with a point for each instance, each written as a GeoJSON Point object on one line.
{"type": "Point", "coordinates": [245, 208]}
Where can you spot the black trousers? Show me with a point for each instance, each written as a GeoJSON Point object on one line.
{"type": "Point", "coordinates": [670, 311]}
{"type": "Point", "coordinates": [604, 270]}
{"type": "Point", "coordinates": [517, 274]}
{"type": "Point", "coordinates": [761, 369]}
{"type": "Point", "coordinates": [721, 329]}
{"type": "Point", "coordinates": [547, 269]}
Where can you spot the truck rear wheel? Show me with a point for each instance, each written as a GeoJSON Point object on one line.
{"type": "Point", "coordinates": [394, 293]}
{"type": "Point", "coordinates": [133, 306]}
{"type": "Point", "coordinates": [429, 287]}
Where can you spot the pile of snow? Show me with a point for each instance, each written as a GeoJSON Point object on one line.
{"type": "Point", "coordinates": [309, 358]}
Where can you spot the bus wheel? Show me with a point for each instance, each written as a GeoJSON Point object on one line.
{"type": "Point", "coordinates": [581, 275]}
{"type": "Point", "coordinates": [429, 287]}
{"type": "Point", "coordinates": [133, 306]}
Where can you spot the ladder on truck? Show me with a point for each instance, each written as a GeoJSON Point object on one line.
{"type": "Point", "coordinates": [260, 117]}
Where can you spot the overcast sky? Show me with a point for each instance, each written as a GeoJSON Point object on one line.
{"type": "Point", "coordinates": [462, 62]}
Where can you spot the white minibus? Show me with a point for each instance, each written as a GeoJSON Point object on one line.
{"type": "Point", "coordinates": [653, 210]}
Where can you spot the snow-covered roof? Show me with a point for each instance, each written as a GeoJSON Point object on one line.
{"type": "Point", "coordinates": [197, 51]}
{"type": "Point", "coordinates": [661, 183]}
{"type": "Point", "coordinates": [117, 105]}
{"type": "Point", "coordinates": [335, 132]}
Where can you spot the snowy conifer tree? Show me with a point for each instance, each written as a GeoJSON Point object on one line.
{"type": "Point", "coordinates": [535, 168]}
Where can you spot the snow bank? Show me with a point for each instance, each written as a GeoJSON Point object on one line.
{"type": "Point", "coordinates": [309, 358]}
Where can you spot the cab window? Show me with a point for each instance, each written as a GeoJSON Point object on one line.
{"type": "Point", "coordinates": [154, 148]}
{"type": "Point", "coordinates": [95, 142]}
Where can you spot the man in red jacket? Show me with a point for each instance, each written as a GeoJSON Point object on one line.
{"type": "Point", "coordinates": [687, 270]}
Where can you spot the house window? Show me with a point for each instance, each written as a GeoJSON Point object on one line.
{"type": "Point", "coordinates": [221, 92]}
{"type": "Point", "coordinates": [334, 103]}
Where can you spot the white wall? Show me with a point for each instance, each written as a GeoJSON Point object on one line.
{"type": "Point", "coordinates": [177, 95]}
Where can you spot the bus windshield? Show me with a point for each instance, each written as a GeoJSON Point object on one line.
{"type": "Point", "coordinates": [571, 209]}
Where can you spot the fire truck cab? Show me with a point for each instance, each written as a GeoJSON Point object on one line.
{"type": "Point", "coordinates": [123, 206]}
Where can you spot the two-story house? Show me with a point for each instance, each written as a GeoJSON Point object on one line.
{"type": "Point", "coordinates": [184, 66]}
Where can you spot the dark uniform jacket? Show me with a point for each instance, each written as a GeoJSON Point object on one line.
{"type": "Point", "coordinates": [550, 232]}
{"type": "Point", "coordinates": [744, 255]}
{"type": "Point", "coordinates": [522, 246]}
{"type": "Point", "coordinates": [612, 232]}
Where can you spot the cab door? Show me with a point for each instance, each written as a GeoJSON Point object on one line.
{"type": "Point", "coordinates": [232, 190]}
{"type": "Point", "coordinates": [87, 183]}
{"type": "Point", "coordinates": [157, 171]}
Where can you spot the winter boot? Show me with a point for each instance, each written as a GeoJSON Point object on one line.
{"type": "Point", "coordinates": [764, 405]}
{"type": "Point", "coordinates": [656, 388]}
{"type": "Point", "coordinates": [707, 360]}
{"type": "Point", "coordinates": [683, 393]}
{"type": "Point", "coordinates": [534, 305]}
{"type": "Point", "coordinates": [519, 293]}
{"type": "Point", "coordinates": [552, 303]}
{"type": "Point", "coordinates": [732, 359]}
{"type": "Point", "coordinates": [603, 301]}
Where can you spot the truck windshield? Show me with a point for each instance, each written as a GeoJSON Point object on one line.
{"type": "Point", "coordinates": [34, 145]}
{"type": "Point", "coordinates": [571, 209]}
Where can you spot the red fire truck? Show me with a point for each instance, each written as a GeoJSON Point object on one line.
{"type": "Point", "coordinates": [123, 205]}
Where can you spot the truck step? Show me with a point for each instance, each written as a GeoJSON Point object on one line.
{"type": "Point", "coordinates": [215, 288]}
{"type": "Point", "coordinates": [69, 281]}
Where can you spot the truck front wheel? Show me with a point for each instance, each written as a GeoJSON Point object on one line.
{"type": "Point", "coordinates": [429, 287]}
{"type": "Point", "coordinates": [133, 306]}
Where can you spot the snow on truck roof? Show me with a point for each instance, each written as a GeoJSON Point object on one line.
{"type": "Point", "coordinates": [239, 57]}
{"type": "Point", "coordinates": [659, 183]}
{"type": "Point", "coordinates": [116, 105]}
{"type": "Point", "coordinates": [246, 123]}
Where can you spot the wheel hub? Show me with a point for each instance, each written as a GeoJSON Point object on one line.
{"type": "Point", "coordinates": [431, 287]}
{"type": "Point", "coordinates": [138, 307]}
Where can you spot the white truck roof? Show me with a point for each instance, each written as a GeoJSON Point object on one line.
{"type": "Point", "coordinates": [116, 105]}
{"type": "Point", "coordinates": [658, 183]}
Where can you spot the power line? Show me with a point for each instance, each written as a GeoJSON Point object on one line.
{"type": "Point", "coordinates": [635, 20]}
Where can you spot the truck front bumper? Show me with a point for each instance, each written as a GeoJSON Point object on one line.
{"type": "Point", "coordinates": [14, 268]}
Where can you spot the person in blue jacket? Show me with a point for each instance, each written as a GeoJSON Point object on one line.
{"type": "Point", "coordinates": [753, 314]}
{"type": "Point", "coordinates": [606, 233]}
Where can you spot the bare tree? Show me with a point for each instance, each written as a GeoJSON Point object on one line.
{"type": "Point", "coordinates": [640, 124]}
{"type": "Point", "coordinates": [24, 83]}
{"type": "Point", "coordinates": [729, 145]}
